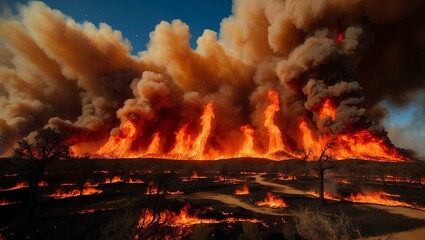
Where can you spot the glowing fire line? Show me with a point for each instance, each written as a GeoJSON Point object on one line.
{"type": "Point", "coordinates": [379, 197]}
{"type": "Point", "coordinates": [359, 144]}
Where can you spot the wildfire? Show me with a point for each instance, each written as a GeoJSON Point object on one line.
{"type": "Point", "coordinates": [327, 110]}
{"type": "Point", "coordinates": [243, 191]}
{"type": "Point", "coordinates": [86, 211]}
{"type": "Point", "coordinates": [378, 197]}
{"type": "Point", "coordinates": [184, 220]}
{"type": "Point", "coordinates": [360, 144]}
{"type": "Point", "coordinates": [275, 136]}
{"type": "Point", "coordinates": [247, 148]}
{"type": "Point", "coordinates": [42, 184]}
{"type": "Point", "coordinates": [135, 181]}
{"type": "Point", "coordinates": [201, 140]}
{"type": "Point", "coordinates": [87, 190]}
{"type": "Point", "coordinates": [67, 184]}
{"type": "Point", "coordinates": [5, 202]}
{"type": "Point", "coordinates": [375, 198]}
{"type": "Point", "coordinates": [178, 192]}
{"type": "Point", "coordinates": [342, 181]}
{"type": "Point", "coordinates": [151, 189]}
{"type": "Point", "coordinates": [188, 144]}
{"type": "Point", "coordinates": [228, 180]}
{"type": "Point", "coordinates": [115, 179]}
{"type": "Point", "coordinates": [284, 177]}
{"type": "Point", "coordinates": [183, 141]}
{"type": "Point", "coordinates": [17, 186]}
{"type": "Point", "coordinates": [119, 145]}
{"type": "Point", "coordinates": [325, 195]}
{"type": "Point", "coordinates": [194, 176]}
{"type": "Point", "coordinates": [154, 146]}
{"type": "Point", "coordinates": [272, 201]}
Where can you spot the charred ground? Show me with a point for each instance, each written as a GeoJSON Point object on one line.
{"type": "Point", "coordinates": [209, 187]}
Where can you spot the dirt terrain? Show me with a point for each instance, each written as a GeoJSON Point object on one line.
{"type": "Point", "coordinates": [209, 187]}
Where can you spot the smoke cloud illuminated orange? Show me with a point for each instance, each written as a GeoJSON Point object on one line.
{"type": "Point", "coordinates": [277, 80]}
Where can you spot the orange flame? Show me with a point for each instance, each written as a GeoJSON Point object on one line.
{"type": "Point", "coordinates": [119, 145]}
{"type": "Point", "coordinates": [327, 110]}
{"type": "Point", "coordinates": [91, 210]}
{"type": "Point", "coordinates": [87, 190]}
{"type": "Point", "coordinates": [360, 144]}
{"type": "Point", "coordinates": [275, 136]}
{"type": "Point", "coordinates": [154, 146]}
{"type": "Point", "coordinates": [115, 179]}
{"type": "Point", "coordinates": [152, 190]}
{"type": "Point", "coordinates": [195, 175]}
{"type": "Point", "coordinates": [17, 186]}
{"type": "Point", "coordinates": [4, 202]}
{"type": "Point", "coordinates": [201, 140]}
{"type": "Point", "coordinates": [178, 192]}
{"type": "Point", "coordinates": [243, 191]}
{"type": "Point", "coordinates": [325, 195]}
{"type": "Point", "coordinates": [184, 220]}
{"type": "Point", "coordinates": [309, 143]}
{"type": "Point", "coordinates": [184, 147]}
{"type": "Point", "coordinates": [183, 141]}
{"type": "Point", "coordinates": [379, 197]}
{"type": "Point", "coordinates": [248, 142]}
{"type": "Point", "coordinates": [272, 201]}
{"type": "Point", "coordinates": [135, 181]}
{"type": "Point", "coordinates": [42, 184]}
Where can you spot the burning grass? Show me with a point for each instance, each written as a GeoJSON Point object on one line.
{"type": "Point", "coordinates": [87, 190]}
{"type": "Point", "coordinates": [377, 197]}
{"type": "Point", "coordinates": [5, 202]}
{"type": "Point", "coordinates": [180, 224]}
{"type": "Point", "coordinates": [17, 186]}
{"type": "Point", "coordinates": [272, 201]}
{"type": "Point", "coordinates": [243, 191]}
{"type": "Point", "coordinates": [115, 179]}
{"type": "Point", "coordinates": [137, 181]}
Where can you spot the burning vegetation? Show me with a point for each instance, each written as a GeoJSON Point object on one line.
{"type": "Point", "coordinates": [243, 191]}
{"type": "Point", "coordinates": [273, 83]}
{"type": "Point", "coordinates": [171, 225]}
{"type": "Point", "coordinates": [378, 197]}
{"type": "Point", "coordinates": [272, 201]}
{"type": "Point", "coordinates": [86, 190]}
{"type": "Point", "coordinates": [358, 144]}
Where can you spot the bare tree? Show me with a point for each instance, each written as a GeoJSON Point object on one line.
{"type": "Point", "coordinates": [323, 165]}
{"type": "Point", "coordinates": [83, 169]}
{"type": "Point", "coordinates": [306, 153]}
{"type": "Point", "coordinates": [34, 156]}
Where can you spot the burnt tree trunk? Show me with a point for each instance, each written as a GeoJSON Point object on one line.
{"type": "Point", "coordinates": [322, 189]}
{"type": "Point", "coordinates": [81, 189]}
{"type": "Point", "coordinates": [33, 193]}
{"type": "Point", "coordinates": [32, 202]}
{"type": "Point", "coordinates": [323, 159]}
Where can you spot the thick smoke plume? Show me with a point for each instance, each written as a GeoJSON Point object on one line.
{"type": "Point", "coordinates": [82, 79]}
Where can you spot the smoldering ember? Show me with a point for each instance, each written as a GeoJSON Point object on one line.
{"type": "Point", "coordinates": [280, 124]}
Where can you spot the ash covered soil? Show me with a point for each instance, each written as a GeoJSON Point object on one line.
{"type": "Point", "coordinates": [209, 187]}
